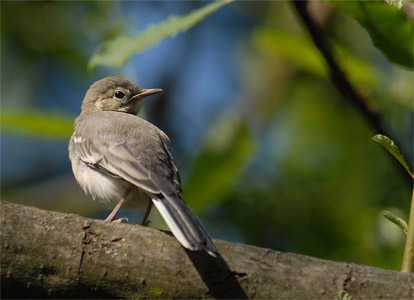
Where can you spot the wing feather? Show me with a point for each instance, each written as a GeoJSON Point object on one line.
{"type": "Point", "coordinates": [127, 155]}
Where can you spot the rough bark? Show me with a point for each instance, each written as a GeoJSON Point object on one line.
{"type": "Point", "coordinates": [46, 254]}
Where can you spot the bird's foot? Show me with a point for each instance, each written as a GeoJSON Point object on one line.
{"type": "Point", "coordinates": [111, 220]}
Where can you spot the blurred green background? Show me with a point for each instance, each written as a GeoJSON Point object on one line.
{"type": "Point", "coordinates": [270, 154]}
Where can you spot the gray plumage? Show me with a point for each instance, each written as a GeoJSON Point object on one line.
{"type": "Point", "coordinates": [112, 150]}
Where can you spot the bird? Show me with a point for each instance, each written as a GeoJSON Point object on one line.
{"type": "Point", "coordinates": [119, 158]}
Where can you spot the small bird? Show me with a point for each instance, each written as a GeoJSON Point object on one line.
{"type": "Point", "coordinates": [118, 157]}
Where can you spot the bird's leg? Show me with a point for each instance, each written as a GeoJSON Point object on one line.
{"type": "Point", "coordinates": [111, 216]}
{"type": "Point", "coordinates": [147, 212]}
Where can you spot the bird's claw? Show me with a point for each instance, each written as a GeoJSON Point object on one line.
{"type": "Point", "coordinates": [117, 220]}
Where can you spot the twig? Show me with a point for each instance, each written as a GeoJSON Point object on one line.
{"type": "Point", "coordinates": [345, 88]}
{"type": "Point", "coordinates": [408, 259]}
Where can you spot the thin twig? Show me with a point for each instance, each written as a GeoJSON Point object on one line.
{"type": "Point", "coordinates": [341, 82]}
{"type": "Point", "coordinates": [408, 258]}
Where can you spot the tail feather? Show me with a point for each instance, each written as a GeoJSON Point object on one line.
{"type": "Point", "coordinates": [184, 224]}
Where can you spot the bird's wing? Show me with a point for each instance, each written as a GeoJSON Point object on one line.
{"type": "Point", "coordinates": [127, 147]}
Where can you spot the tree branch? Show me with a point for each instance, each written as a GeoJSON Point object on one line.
{"type": "Point", "coordinates": [47, 254]}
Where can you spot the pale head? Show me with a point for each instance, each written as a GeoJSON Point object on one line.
{"type": "Point", "coordinates": [115, 94]}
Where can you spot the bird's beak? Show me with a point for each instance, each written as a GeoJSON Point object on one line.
{"type": "Point", "coordinates": [145, 93]}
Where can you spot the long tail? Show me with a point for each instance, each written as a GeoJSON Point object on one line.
{"type": "Point", "coordinates": [184, 224]}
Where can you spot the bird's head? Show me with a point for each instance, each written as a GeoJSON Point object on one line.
{"type": "Point", "coordinates": [115, 94]}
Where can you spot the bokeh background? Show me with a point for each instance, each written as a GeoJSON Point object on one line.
{"type": "Point", "coordinates": [270, 154]}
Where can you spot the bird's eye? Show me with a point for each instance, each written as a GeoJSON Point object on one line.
{"type": "Point", "coordinates": [119, 94]}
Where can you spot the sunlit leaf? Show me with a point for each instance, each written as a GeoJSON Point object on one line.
{"type": "Point", "coordinates": [220, 164]}
{"type": "Point", "coordinates": [390, 29]}
{"type": "Point", "coordinates": [297, 49]}
{"type": "Point", "coordinates": [344, 295]}
{"type": "Point", "coordinates": [301, 51]}
{"type": "Point", "coordinates": [116, 52]}
{"type": "Point", "coordinates": [397, 3]}
{"type": "Point", "coordinates": [388, 144]}
{"type": "Point", "coordinates": [396, 220]}
{"type": "Point", "coordinates": [36, 124]}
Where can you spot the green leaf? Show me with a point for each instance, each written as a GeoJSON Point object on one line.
{"type": "Point", "coordinates": [389, 28]}
{"type": "Point", "coordinates": [301, 51]}
{"type": "Point", "coordinates": [220, 164]}
{"type": "Point", "coordinates": [396, 220]}
{"type": "Point", "coordinates": [397, 3]}
{"type": "Point", "coordinates": [297, 49]}
{"type": "Point", "coordinates": [116, 52]}
{"type": "Point", "coordinates": [344, 295]}
{"type": "Point", "coordinates": [37, 124]}
{"type": "Point", "coordinates": [388, 144]}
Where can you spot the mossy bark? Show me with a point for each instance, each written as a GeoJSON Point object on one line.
{"type": "Point", "coordinates": [47, 254]}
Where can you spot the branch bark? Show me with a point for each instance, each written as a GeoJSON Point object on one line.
{"type": "Point", "coordinates": [47, 254]}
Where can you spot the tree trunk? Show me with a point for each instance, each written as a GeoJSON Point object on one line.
{"type": "Point", "coordinates": [46, 254]}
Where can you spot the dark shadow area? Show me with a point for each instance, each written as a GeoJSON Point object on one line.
{"type": "Point", "coordinates": [216, 274]}
{"type": "Point", "coordinates": [15, 289]}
